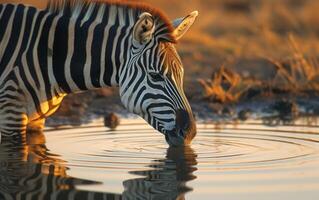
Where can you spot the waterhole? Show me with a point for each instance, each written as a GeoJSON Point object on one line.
{"type": "Point", "coordinates": [232, 161]}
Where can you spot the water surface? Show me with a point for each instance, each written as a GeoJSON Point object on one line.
{"type": "Point", "coordinates": [234, 161]}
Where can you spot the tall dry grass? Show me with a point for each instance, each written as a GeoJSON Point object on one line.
{"type": "Point", "coordinates": [298, 75]}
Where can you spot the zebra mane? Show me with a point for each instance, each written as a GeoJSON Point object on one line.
{"type": "Point", "coordinates": [76, 7]}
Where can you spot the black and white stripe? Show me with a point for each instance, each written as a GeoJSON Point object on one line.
{"type": "Point", "coordinates": [78, 45]}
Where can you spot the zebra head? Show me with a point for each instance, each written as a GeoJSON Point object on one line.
{"type": "Point", "coordinates": [151, 83]}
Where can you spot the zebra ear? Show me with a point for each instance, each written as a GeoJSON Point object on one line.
{"type": "Point", "coordinates": [144, 28]}
{"type": "Point", "coordinates": [182, 25]}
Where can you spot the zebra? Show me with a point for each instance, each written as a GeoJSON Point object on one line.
{"type": "Point", "coordinates": [73, 46]}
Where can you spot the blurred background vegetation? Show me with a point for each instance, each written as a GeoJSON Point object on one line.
{"type": "Point", "coordinates": [240, 48]}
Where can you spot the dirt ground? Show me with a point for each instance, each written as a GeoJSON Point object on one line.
{"type": "Point", "coordinates": [266, 52]}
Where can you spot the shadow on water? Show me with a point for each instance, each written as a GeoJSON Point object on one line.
{"type": "Point", "coordinates": [31, 171]}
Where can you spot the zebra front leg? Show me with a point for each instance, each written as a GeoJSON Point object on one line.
{"type": "Point", "coordinates": [35, 132]}
{"type": "Point", "coordinates": [13, 119]}
{"type": "Point", "coordinates": [36, 126]}
{"type": "Point", "coordinates": [13, 128]}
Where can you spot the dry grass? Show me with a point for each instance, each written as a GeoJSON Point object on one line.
{"type": "Point", "coordinates": [298, 75]}
{"type": "Point", "coordinates": [299, 72]}
{"type": "Point", "coordinates": [225, 86]}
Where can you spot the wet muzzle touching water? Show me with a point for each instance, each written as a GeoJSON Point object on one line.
{"type": "Point", "coordinates": [184, 131]}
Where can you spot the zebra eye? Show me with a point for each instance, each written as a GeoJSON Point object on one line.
{"type": "Point", "coordinates": [156, 76]}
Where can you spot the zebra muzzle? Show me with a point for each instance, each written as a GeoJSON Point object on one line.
{"type": "Point", "coordinates": [185, 129]}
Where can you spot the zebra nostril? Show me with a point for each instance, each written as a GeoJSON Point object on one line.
{"type": "Point", "coordinates": [181, 133]}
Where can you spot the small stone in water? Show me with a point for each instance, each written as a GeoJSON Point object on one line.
{"type": "Point", "coordinates": [243, 115]}
{"type": "Point", "coordinates": [286, 109]}
{"type": "Point", "coordinates": [111, 121]}
{"type": "Point", "coordinates": [227, 111]}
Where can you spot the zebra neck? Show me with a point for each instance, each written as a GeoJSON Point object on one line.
{"type": "Point", "coordinates": [92, 49]}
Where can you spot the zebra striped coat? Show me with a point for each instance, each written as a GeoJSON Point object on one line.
{"type": "Point", "coordinates": [74, 46]}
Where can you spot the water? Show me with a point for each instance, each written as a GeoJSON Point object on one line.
{"type": "Point", "coordinates": [234, 161]}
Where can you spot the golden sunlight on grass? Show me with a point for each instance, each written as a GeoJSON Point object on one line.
{"type": "Point", "coordinates": [296, 75]}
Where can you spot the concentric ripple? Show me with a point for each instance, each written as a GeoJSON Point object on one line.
{"type": "Point", "coordinates": [244, 158]}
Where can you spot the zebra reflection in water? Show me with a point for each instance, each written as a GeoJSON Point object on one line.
{"type": "Point", "coordinates": [31, 171]}
{"type": "Point", "coordinates": [167, 178]}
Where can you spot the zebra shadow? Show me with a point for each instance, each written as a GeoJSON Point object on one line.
{"type": "Point", "coordinates": [31, 171]}
{"type": "Point", "coordinates": [167, 177]}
